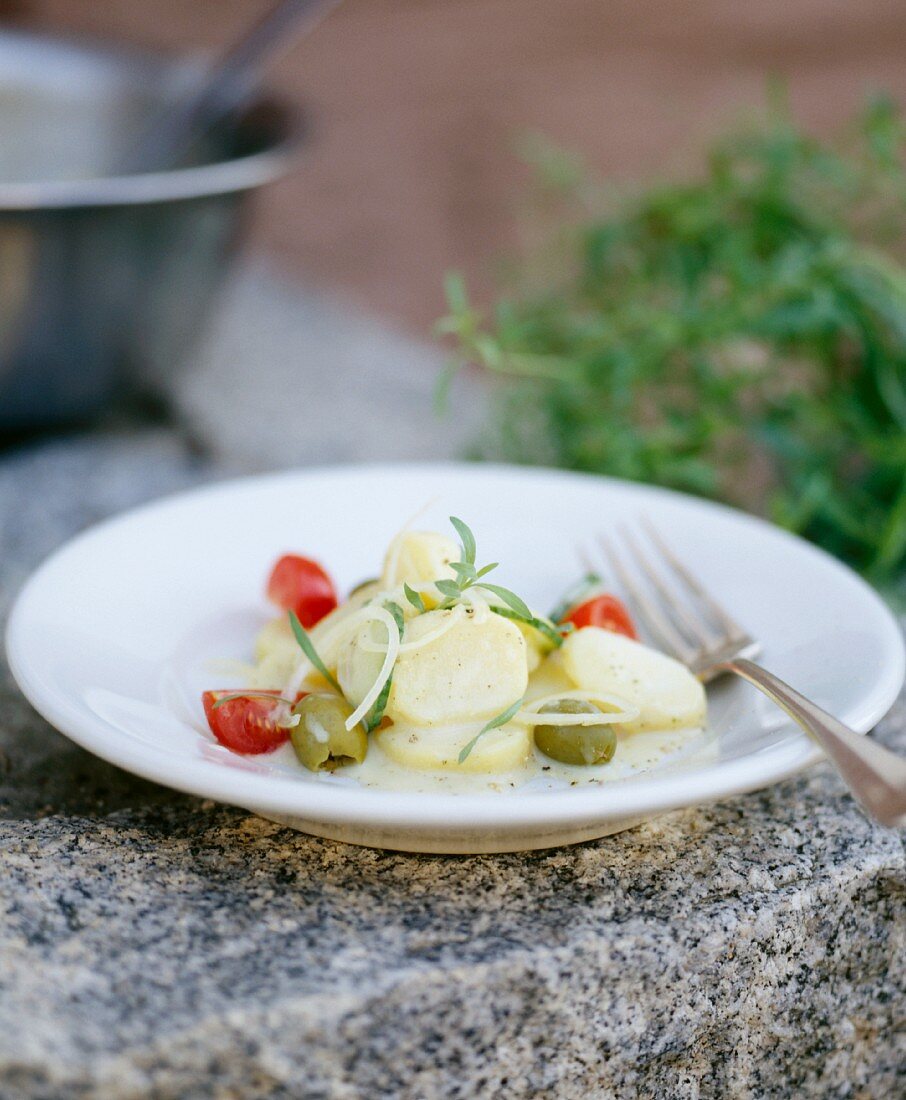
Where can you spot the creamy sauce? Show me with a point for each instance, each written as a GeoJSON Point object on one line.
{"type": "Point", "coordinates": [454, 669]}
{"type": "Point", "coordinates": [637, 753]}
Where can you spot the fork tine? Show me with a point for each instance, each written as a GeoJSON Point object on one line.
{"type": "Point", "coordinates": [692, 583]}
{"type": "Point", "coordinates": [696, 629]}
{"type": "Point", "coordinates": [646, 609]}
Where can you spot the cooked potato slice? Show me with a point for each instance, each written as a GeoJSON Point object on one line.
{"type": "Point", "coordinates": [276, 655]}
{"type": "Point", "coordinates": [277, 652]}
{"type": "Point", "coordinates": [549, 678]}
{"type": "Point", "coordinates": [666, 693]}
{"type": "Point", "coordinates": [274, 639]}
{"type": "Point", "coordinates": [358, 599]}
{"type": "Point", "coordinates": [325, 638]}
{"type": "Point", "coordinates": [536, 646]}
{"type": "Point", "coordinates": [499, 750]}
{"type": "Point", "coordinates": [475, 670]}
{"type": "Point", "coordinates": [418, 556]}
{"type": "Point", "coordinates": [358, 667]}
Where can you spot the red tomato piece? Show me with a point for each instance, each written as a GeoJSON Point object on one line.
{"type": "Point", "coordinates": [244, 724]}
{"type": "Point", "coordinates": [604, 611]}
{"type": "Point", "coordinates": [301, 585]}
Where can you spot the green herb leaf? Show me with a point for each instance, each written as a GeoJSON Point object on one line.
{"type": "Point", "coordinates": [495, 723]}
{"type": "Point", "coordinates": [464, 571]}
{"type": "Point", "coordinates": [447, 588]}
{"type": "Point", "coordinates": [467, 539]}
{"type": "Point", "coordinates": [550, 632]}
{"type": "Point", "coordinates": [485, 569]}
{"type": "Point", "coordinates": [414, 598]}
{"type": "Point", "coordinates": [444, 385]}
{"type": "Point", "coordinates": [455, 290]}
{"type": "Point", "coordinates": [397, 612]}
{"type": "Point", "coordinates": [749, 319]}
{"type": "Point", "coordinates": [373, 718]}
{"type": "Point", "coordinates": [508, 597]}
{"type": "Point", "coordinates": [575, 595]}
{"type": "Point", "coordinates": [250, 695]}
{"type": "Point", "coordinates": [307, 647]}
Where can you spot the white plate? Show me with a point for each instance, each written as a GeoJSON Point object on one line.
{"type": "Point", "coordinates": [111, 637]}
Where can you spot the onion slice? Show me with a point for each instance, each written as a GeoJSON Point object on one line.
{"type": "Point", "coordinates": [455, 615]}
{"type": "Point", "coordinates": [624, 712]}
{"type": "Point", "coordinates": [393, 649]}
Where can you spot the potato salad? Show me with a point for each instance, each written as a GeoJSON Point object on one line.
{"type": "Point", "coordinates": [436, 667]}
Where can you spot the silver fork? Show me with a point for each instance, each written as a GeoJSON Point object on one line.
{"type": "Point", "coordinates": [684, 620]}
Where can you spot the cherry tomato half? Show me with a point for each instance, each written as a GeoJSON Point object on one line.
{"type": "Point", "coordinates": [245, 724]}
{"type": "Point", "coordinates": [604, 611]}
{"type": "Point", "coordinates": [301, 585]}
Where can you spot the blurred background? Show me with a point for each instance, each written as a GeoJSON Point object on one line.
{"type": "Point", "coordinates": [732, 323]}
{"type": "Point", "coordinates": [415, 105]}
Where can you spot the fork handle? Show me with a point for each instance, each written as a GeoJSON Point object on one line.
{"type": "Point", "coordinates": [875, 776]}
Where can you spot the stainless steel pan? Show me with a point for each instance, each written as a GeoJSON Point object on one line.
{"type": "Point", "coordinates": [105, 281]}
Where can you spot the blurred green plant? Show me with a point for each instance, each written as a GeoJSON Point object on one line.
{"type": "Point", "coordinates": [741, 337]}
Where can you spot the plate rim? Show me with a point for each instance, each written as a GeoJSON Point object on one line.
{"type": "Point", "coordinates": [337, 805]}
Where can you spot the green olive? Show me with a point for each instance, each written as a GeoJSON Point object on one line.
{"type": "Point", "coordinates": [321, 739]}
{"type": "Point", "coordinates": [576, 744]}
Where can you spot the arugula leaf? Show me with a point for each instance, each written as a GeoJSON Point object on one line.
{"type": "Point", "coordinates": [307, 647]}
{"type": "Point", "coordinates": [495, 723]}
{"type": "Point", "coordinates": [467, 538]}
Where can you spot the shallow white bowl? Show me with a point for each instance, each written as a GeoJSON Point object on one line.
{"type": "Point", "coordinates": [111, 637]}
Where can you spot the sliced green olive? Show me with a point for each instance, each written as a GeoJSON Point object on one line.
{"type": "Point", "coordinates": [321, 739]}
{"type": "Point", "coordinates": [585, 745]}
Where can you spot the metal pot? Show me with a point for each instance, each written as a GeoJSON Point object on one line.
{"type": "Point", "coordinates": [105, 280]}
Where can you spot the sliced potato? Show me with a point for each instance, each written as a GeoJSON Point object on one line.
{"type": "Point", "coordinates": [326, 639]}
{"type": "Point", "coordinates": [549, 678]}
{"type": "Point", "coordinates": [536, 646]}
{"type": "Point", "coordinates": [358, 667]}
{"type": "Point", "coordinates": [415, 557]}
{"type": "Point", "coordinates": [472, 672]}
{"type": "Point", "coordinates": [276, 655]}
{"type": "Point", "coordinates": [277, 652]}
{"type": "Point", "coordinates": [666, 693]}
{"type": "Point", "coordinates": [358, 599]}
{"type": "Point", "coordinates": [500, 750]}
{"type": "Point", "coordinates": [273, 639]}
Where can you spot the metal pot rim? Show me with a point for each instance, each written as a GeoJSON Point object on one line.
{"type": "Point", "coordinates": [216, 178]}
{"type": "Point", "coordinates": [219, 178]}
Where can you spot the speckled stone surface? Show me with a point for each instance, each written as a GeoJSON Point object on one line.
{"type": "Point", "coordinates": [153, 945]}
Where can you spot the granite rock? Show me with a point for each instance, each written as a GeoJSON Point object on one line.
{"type": "Point", "coordinates": [290, 378]}
{"type": "Point", "coordinates": [154, 945]}
{"type": "Point", "coordinates": [752, 949]}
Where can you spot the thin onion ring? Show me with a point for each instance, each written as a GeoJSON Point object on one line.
{"type": "Point", "coordinates": [626, 712]}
